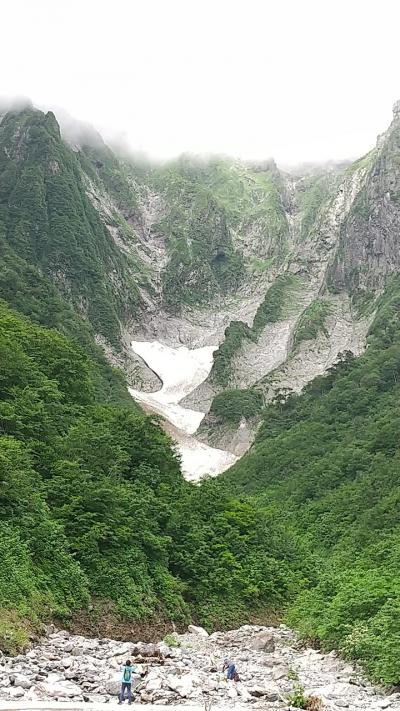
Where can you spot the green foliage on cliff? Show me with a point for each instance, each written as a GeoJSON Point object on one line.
{"type": "Point", "coordinates": [211, 205]}
{"type": "Point", "coordinates": [312, 193]}
{"type": "Point", "coordinates": [231, 405]}
{"type": "Point", "coordinates": [327, 463]}
{"type": "Point", "coordinates": [235, 335]}
{"type": "Point", "coordinates": [274, 307]}
{"type": "Point", "coordinates": [47, 219]}
{"type": "Point", "coordinates": [276, 301]}
{"type": "Point", "coordinates": [312, 322]}
{"type": "Point", "coordinates": [25, 289]}
{"type": "Point", "coordinates": [203, 259]}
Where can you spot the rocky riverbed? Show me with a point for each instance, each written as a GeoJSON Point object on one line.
{"type": "Point", "coordinates": [187, 671]}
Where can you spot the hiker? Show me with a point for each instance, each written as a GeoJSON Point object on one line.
{"type": "Point", "coordinates": [231, 670]}
{"type": "Point", "coordinates": [126, 682]}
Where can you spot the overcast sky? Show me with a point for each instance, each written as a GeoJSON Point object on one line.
{"type": "Point", "coordinates": [299, 80]}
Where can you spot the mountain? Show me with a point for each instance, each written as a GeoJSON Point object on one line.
{"type": "Point", "coordinates": [292, 280]}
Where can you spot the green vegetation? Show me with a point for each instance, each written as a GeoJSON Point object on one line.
{"type": "Point", "coordinates": [93, 505]}
{"type": "Point", "coordinates": [313, 192]}
{"type": "Point", "coordinates": [172, 641]}
{"type": "Point", "coordinates": [235, 335]}
{"type": "Point", "coordinates": [47, 220]}
{"type": "Point", "coordinates": [203, 259]}
{"type": "Point", "coordinates": [231, 405]}
{"type": "Point", "coordinates": [26, 290]}
{"type": "Point", "coordinates": [277, 299]}
{"type": "Point", "coordinates": [312, 322]}
{"type": "Point", "coordinates": [210, 205]}
{"type": "Point", "coordinates": [261, 265]}
{"type": "Point", "coordinates": [301, 701]}
{"type": "Point", "coordinates": [326, 463]}
{"type": "Point", "coordinates": [273, 308]}
{"type": "Point", "coordinates": [362, 163]}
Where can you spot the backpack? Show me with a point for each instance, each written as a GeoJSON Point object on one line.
{"type": "Point", "coordinates": [127, 674]}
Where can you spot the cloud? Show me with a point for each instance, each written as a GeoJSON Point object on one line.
{"type": "Point", "coordinates": [300, 80]}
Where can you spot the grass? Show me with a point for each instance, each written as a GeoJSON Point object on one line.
{"type": "Point", "coordinates": [14, 632]}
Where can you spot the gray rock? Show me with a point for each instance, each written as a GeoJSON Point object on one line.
{"type": "Point", "coordinates": [15, 692]}
{"type": "Point", "coordinates": [23, 681]}
{"type": "Point", "coordinates": [263, 641]}
{"type": "Point", "coordinates": [113, 686]}
{"type": "Point", "coordinates": [268, 693]}
{"type": "Point", "coordinates": [199, 631]}
{"type": "Point", "coordinates": [61, 689]}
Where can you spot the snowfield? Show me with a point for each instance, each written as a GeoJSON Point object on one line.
{"type": "Point", "coordinates": [181, 370]}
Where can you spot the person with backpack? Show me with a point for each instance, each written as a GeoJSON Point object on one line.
{"type": "Point", "coordinates": [126, 682]}
{"type": "Point", "coordinates": [231, 672]}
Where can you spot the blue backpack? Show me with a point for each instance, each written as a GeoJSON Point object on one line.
{"type": "Point", "coordinates": [127, 674]}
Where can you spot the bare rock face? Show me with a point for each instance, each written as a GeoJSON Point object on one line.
{"type": "Point", "coordinates": [368, 248]}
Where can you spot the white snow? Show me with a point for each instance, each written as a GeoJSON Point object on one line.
{"type": "Point", "coordinates": [181, 370]}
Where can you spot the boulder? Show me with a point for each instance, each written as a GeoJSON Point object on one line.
{"type": "Point", "coordinates": [67, 662]}
{"type": "Point", "coordinates": [200, 631]}
{"type": "Point", "coordinates": [113, 685]}
{"type": "Point", "coordinates": [122, 650]}
{"type": "Point", "coordinates": [146, 650]}
{"type": "Point", "coordinates": [23, 681]}
{"type": "Point", "coordinates": [15, 692]}
{"type": "Point", "coordinates": [153, 681]}
{"type": "Point", "coordinates": [61, 689]}
{"type": "Point", "coordinates": [382, 704]}
{"type": "Point", "coordinates": [182, 685]}
{"type": "Point", "coordinates": [153, 685]}
{"type": "Point", "coordinates": [280, 672]}
{"type": "Point", "coordinates": [268, 693]}
{"type": "Point", "coordinates": [263, 641]}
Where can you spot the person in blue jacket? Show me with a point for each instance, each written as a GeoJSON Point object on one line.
{"type": "Point", "coordinates": [126, 682]}
{"type": "Point", "coordinates": [230, 669]}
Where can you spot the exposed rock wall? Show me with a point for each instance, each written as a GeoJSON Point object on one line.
{"type": "Point", "coordinates": [369, 243]}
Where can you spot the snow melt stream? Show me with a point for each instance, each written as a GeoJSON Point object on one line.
{"type": "Point", "coordinates": [181, 370]}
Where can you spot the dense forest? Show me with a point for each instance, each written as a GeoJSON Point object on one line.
{"type": "Point", "coordinates": [93, 504]}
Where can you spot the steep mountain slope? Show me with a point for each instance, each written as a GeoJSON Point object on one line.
{"type": "Point", "coordinates": [324, 302]}
{"type": "Point", "coordinates": [49, 221]}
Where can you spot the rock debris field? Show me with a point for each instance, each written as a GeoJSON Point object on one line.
{"type": "Point", "coordinates": [270, 663]}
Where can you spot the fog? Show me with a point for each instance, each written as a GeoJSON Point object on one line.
{"type": "Point", "coordinates": [299, 81]}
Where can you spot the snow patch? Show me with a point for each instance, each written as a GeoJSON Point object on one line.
{"type": "Point", "coordinates": [181, 370]}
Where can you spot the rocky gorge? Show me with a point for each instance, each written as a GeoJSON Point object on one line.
{"type": "Point", "coordinates": [186, 669]}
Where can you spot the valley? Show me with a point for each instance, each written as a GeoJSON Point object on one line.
{"type": "Point", "coordinates": [212, 321]}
